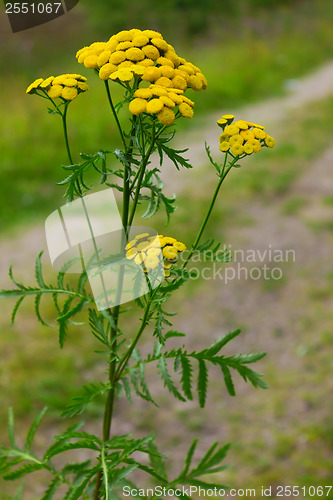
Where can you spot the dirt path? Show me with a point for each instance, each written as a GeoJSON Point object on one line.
{"type": "Point", "coordinates": [271, 113]}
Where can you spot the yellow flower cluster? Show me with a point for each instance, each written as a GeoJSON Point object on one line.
{"type": "Point", "coordinates": [145, 54]}
{"type": "Point", "coordinates": [242, 137]}
{"type": "Point", "coordinates": [67, 86]}
{"type": "Point", "coordinates": [151, 251]}
{"type": "Point", "coordinates": [161, 101]}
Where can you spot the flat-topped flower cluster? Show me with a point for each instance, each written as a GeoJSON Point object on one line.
{"type": "Point", "coordinates": [241, 137]}
{"type": "Point", "coordinates": [149, 251]}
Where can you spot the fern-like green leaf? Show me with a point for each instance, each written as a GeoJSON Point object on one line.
{"type": "Point", "coordinates": [52, 488]}
{"type": "Point", "coordinates": [23, 471]}
{"type": "Point", "coordinates": [202, 382]}
{"type": "Point", "coordinates": [228, 380]}
{"type": "Point", "coordinates": [33, 428]}
{"type": "Point", "coordinates": [168, 383]}
{"type": "Point", "coordinates": [186, 376]}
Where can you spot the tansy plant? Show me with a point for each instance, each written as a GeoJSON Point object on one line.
{"type": "Point", "coordinates": [155, 81]}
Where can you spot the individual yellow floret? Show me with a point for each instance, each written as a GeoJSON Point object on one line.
{"type": "Point", "coordinates": [146, 63]}
{"type": "Point", "coordinates": [140, 40]}
{"type": "Point", "coordinates": [222, 122]}
{"type": "Point", "coordinates": [166, 116]}
{"type": "Point", "coordinates": [179, 82]}
{"type": "Point", "coordinates": [104, 57]}
{"type": "Point", "coordinates": [170, 54]}
{"type": "Point", "coordinates": [151, 74]}
{"type": "Point", "coordinates": [269, 141]}
{"type": "Point", "coordinates": [163, 61]}
{"type": "Point", "coordinates": [154, 106]}
{"type": "Point", "coordinates": [167, 101]}
{"type": "Point", "coordinates": [229, 118]}
{"type": "Point", "coordinates": [247, 134]}
{"type": "Point", "coordinates": [236, 139]}
{"type": "Point", "coordinates": [164, 82]}
{"type": "Point", "coordinates": [179, 246]}
{"type": "Point", "coordinates": [124, 36]}
{"type": "Point", "coordinates": [224, 146]}
{"type": "Point", "coordinates": [167, 71]}
{"type": "Point", "coordinates": [241, 124]}
{"type": "Point", "coordinates": [47, 82]}
{"type": "Point", "coordinates": [256, 145]}
{"type": "Point", "coordinates": [151, 52]}
{"type": "Point", "coordinates": [158, 90]}
{"type": "Point", "coordinates": [134, 54]}
{"type": "Point", "coordinates": [224, 137]}
{"type": "Point", "coordinates": [137, 106]}
{"type": "Point", "coordinates": [186, 110]}
{"type": "Point", "coordinates": [231, 130]}
{"type": "Point", "coordinates": [124, 45]}
{"type": "Point", "coordinates": [70, 82]}
{"type": "Point", "coordinates": [143, 93]}
{"type": "Point", "coordinates": [152, 34]}
{"type": "Point", "coordinates": [123, 75]}
{"type": "Point", "coordinates": [167, 240]}
{"type": "Point", "coordinates": [170, 253]}
{"type": "Point", "coordinates": [107, 70]}
{"type": "Point", "coordinates": [258, 133]}
{"type": "Point", "coordinates": [160, 44]}
{"type": "Point", "coordinates": [91, 62]}
{"type": "Point", "coordinates": [82, 86]}
{"type": "Point", "coordinates": [117, 57]}
{"type": "Point", "coordinates": [248, 148]}
{"type": "Point", "coordinates": [195, 82]}
{"type": "Point", "coordinates": [55, 91]}
{"type": "Point", "coordinates": [34, 85]}
{"type": "Point", "coordinates": [69, 93]}
{"type": "Point", "coordinates": [237, 149]}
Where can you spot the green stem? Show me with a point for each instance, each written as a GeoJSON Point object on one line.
{"type": "Point", "coordinates": [114, 112]}
{"type": "Point", "coordinates": [141, 175]}
{"type": "Point", "coordinates": [123, 362]}
{"type": "Point", "coordinates": [64, 124]}
{"type": "Point", "coordinates": [224, 173]}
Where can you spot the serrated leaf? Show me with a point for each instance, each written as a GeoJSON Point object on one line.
{"type": "Point", "coordinates": [52, 488]}
{"type": "Point", "coordinates": [189, 456]}
{"type": "Point", "coordinates": [202, 382]}
{"type": "Point", "coordinates": [168, 383]}
{"type": "Point", "coordinates": [23, 471]}
{"type": "Point", "coordinates": [75, 493]}
{"type": "Point", "coordinates": [38, 270]}
{"type": "Point", "coordinates": [217, 346]}
{"type": "Point", "coordinates": [157, 461]}
{"type": "Point", "coordinates": [186, 379]}
{"type": "Point", "coordinates": [228, 380]}
{"type": "Point", "coordinates": [127, 388]}
{"type": "Point", "coordinates": [173, 333]}
{"type": "Point", "coordinates": [85, 444]}
{"type": "Point", "coordinates": [33, 428]}
{"type": "Point", "coordinates": [15, 309]}
{"type": "Point", "coordinates": [37, 311]}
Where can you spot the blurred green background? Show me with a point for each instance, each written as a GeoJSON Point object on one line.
{"type": "Point", "coordinates": [251, 51]}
